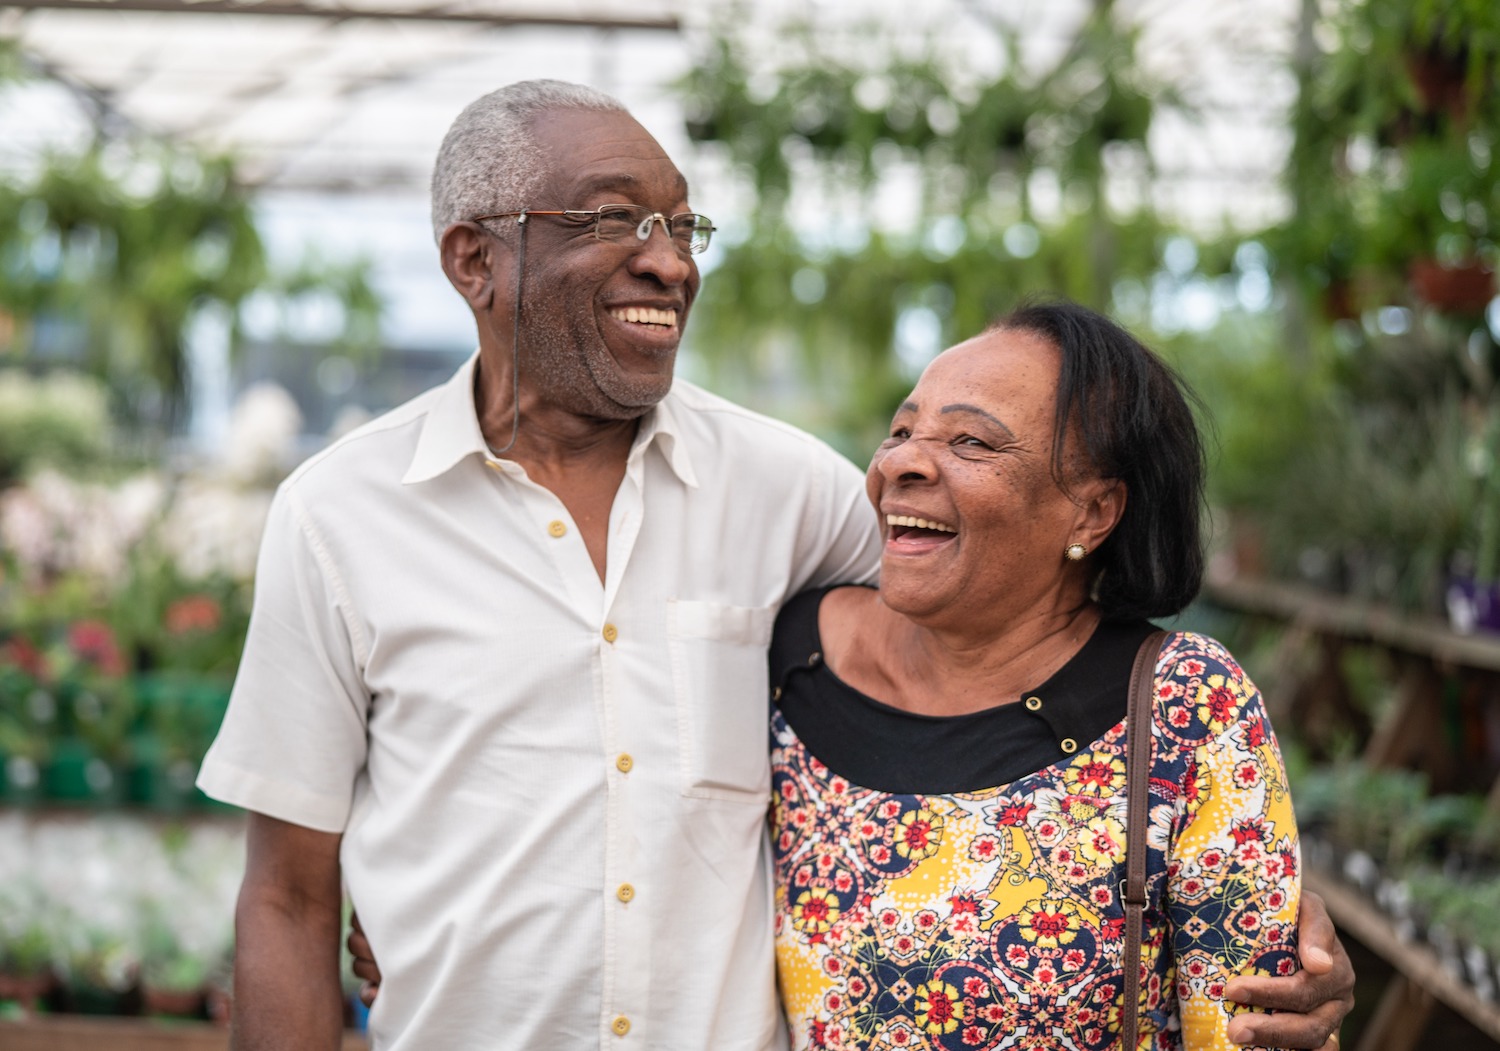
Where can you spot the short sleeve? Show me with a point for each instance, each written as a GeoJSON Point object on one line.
{"type": "Point", "coordinates": [839, 542]}
{"type": "Point", "coordinates": [293, 738]}
{"type": "Point", "coordinates": [1233, 868]}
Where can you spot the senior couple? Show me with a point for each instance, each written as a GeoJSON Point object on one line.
{"type": "Point", "coordinates": [507, 681]}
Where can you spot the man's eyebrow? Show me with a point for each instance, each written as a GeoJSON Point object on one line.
{"type": "Point", "coordinates": [625, 182]}
{"type": "Point", "coordinates": [977, 411]}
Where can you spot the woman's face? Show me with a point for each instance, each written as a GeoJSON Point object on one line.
{"type": "Point", "coordinates": [975, 525]}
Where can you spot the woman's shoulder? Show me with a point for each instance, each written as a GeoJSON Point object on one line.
{"type": "Point", "coordinates": [1201, 687]}
{"type": "Point", "coordinates": [797, 633]}
{"type": "Point", "coordinates": [1193, 654]}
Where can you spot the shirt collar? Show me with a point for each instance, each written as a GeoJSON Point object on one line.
{"type": "Point", "coordinates": [451, 433]}
{"type": "Point", "coordinates": [450, 430]}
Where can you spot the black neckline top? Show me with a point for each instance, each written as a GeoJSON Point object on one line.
{"type": "Point", "coordinates": [891, 750]}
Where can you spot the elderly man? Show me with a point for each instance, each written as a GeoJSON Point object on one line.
{"type": "Point", "coordinates": [506, 674]}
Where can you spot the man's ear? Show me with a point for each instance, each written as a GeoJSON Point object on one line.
{"type": "Point", "coordinates": [469, 259]}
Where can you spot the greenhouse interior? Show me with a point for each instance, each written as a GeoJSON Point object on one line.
{"type": "Point", "coordinates": [216, 259]}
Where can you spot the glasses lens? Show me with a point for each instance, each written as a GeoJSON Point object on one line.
{"type": "Point", "coordinates": [621, 222]}
{"type": "Point", "coordinates": [691, 231]}
{"type": "Point", "coordinates": [631, 224]}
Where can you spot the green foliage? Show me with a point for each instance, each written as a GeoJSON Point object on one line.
{"type": "Point", "coordinates": [59, 420]}
{"type": "Point", "coordinates": [122, 245]}
{"type": "Point", "coordinates": [819, 131]}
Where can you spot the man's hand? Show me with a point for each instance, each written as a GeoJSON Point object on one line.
{"type": "Point", "coordinates": [364, 962]}
{"type": "Point", "coordinates": [1311, 1004]}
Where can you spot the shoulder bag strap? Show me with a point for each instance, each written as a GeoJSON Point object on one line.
{"type": "Point", "coordinates": [1137, 790]}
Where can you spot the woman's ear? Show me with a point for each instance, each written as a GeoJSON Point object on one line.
{"type": "Point", "coordinates": [1100, 507]}
{"type": "Point", "coordinates": [470, 258]}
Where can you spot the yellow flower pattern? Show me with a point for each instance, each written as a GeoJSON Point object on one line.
{"type": "Point", "coordinates": [986, 921]}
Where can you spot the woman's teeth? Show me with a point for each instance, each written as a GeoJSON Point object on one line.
{"type": "Point", "coordinates": [918, 523]}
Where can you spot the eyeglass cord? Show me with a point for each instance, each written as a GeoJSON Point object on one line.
{"type": "Point", "coordinates": [515, 344]}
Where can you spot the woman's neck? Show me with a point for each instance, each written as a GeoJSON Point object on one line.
{"type": "Point", "coordinates": [938, 671]}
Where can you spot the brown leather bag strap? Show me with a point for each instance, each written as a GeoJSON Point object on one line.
{"type": "Point", "coordinates": [1137, 791]}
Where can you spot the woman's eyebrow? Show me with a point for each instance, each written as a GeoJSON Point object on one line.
{"type": "Point", "coordinates": [977, 411]}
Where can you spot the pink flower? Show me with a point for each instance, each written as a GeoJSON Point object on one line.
{"type": "Point", "coordinates": [93, 642]}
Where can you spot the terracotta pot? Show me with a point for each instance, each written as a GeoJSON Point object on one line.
{"type": "Point", "coordinates": [1463, 289]}
{"type": "Point", "coordinates": [25, 989]}
{"type": "Point", "coordinates": [179, 1003]}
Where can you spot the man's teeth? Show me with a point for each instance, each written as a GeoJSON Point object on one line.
{"type": "Point", "coordinates": [646, 316]}
{"type": "Point", "coordinates": [918, 523]}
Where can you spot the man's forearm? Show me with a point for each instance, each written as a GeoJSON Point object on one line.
{"type": "Point", "coordinates": [287, 993]}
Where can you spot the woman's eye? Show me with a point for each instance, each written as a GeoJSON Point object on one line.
{"type": "Point", "coordinates": [899, 434]}
{"type": "Point", "coordinates": [972, 442]}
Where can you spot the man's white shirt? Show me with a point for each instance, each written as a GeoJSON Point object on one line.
{"type": "Point", "coordinates": [552, 790]}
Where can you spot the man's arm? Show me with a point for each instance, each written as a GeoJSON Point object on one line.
{"type": "Point", "coordinates": [286, 955]}
{"type": "Point", "coordinates": [1311, 1004]}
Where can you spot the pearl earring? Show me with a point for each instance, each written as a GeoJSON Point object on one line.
{"type": "Point", "coordinates": [1075, 552]}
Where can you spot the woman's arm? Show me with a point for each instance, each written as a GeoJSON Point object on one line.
{"type": "Point", "coordinates": [1234, 872]}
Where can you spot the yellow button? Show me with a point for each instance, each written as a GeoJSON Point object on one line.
{"type": "Point", "coordinates": [776, 694]}
{"type": "Point", "coordinates": [611, 633]}
{"type": "Point", "coordinates": [623, 763]}
{"type": "Point", "coordinates": [1033, 704]}
{"type": "Point", "coordinates": [621, 1025]}
{"type": "Point", "coordinates": [557, 528]}
{"type": "Point", "coordinates": [625, 892]}
{"type": "Point", "coordinates": [1068, 745]}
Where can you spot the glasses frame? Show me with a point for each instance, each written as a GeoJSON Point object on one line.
{"type": "Point", "coordinates": [592, 216]}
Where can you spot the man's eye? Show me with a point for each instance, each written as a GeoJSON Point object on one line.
{"type": "Point", "coordinates": [614, 222]}
{"type": "Point", "coordinates": [972, 442]}
{"type": "Point", "coordinates": [899, 434]}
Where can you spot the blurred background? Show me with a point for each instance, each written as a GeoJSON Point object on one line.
{"type": "Point", "coordinates": [215, 257]}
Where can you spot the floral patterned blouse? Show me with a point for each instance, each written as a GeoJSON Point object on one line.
{"type": "Point", "coordinates": [992, 919]}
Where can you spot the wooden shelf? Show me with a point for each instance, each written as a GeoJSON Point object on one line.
{"type": "Point", "coordinates": [1354, 914]}
{"type": "Point", "coordinates": [1357, 621]}
{"type": "Point", "coordinates": [78, 1033]}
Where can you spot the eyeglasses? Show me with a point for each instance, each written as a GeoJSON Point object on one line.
{"type": "Point", "coordinates": [630, 224]}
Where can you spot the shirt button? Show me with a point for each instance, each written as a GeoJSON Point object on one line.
{"type": "Point", "coordinates": [557, 528]}
{"type": "Point", "coordinates": [611, 633]}
{"type": "Point", "coordinates": [625, 892]}
{"type": "Point", "coordinates": [623, 763]}
{"type": "Point", "coordinates": [1033, 704]}
{"type": "Point", "coordinates": [1068, 745]}
{"type": "Point", "coordinates": [812, 662]}
{"type": "Point", "coordinates": [621, 1025]}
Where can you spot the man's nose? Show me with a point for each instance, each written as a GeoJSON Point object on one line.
{"type": "Point", "coordinates": [661, 257]}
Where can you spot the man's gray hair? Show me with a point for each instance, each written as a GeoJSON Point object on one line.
{"type": "Point", "coordinates": [489, 160]}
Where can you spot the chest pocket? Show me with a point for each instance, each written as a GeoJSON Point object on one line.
{"type": "Point", "coordinates": [720, 680]}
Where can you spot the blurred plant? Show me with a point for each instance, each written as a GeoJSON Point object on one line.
{"type": "Point", "coordinates": [58, 420]}
{"type": "Point", "coordinates": [817, 288]}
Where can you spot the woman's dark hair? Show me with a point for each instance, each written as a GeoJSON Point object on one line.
{"type": "Point", "coordinates": [1135, 424]}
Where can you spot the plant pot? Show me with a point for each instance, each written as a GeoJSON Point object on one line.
{"type": "Point", "coordinates": [1477, 968]}
{"type": "Point", "coordinates": [1463, 289]}
{"type": "Point", "coordinates": [20, 780]}
{"type": "Point", "coordinates": [1445, 944]}
{"type": "Point", "coordinates": [76, 775]}
{"type": "Point", "coordinates": [174, 1003]}
{"type": "Point", "coordinates": [27, 990]}
{"type": "Point", "coordinates": [1473, 605]}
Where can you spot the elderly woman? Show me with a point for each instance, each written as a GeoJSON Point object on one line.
{"type": "Point", "coordinates": [949, 751]}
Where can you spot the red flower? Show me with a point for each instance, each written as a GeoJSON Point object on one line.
{"type": "Point", "coordinates": [94, 643]}
{"type": "Point", "coordinates": [193, 613]}
{"type": "Point", "coordinates": [21, 653]}
{"type": "Point", "coordinates": [1015, 814]}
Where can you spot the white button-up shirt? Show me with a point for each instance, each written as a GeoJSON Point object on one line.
{"type": "Point", "coordinates": [551, 790]}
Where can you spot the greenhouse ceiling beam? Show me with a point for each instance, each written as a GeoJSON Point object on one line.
{"type": "Point", "coordinates": [295, 9]}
